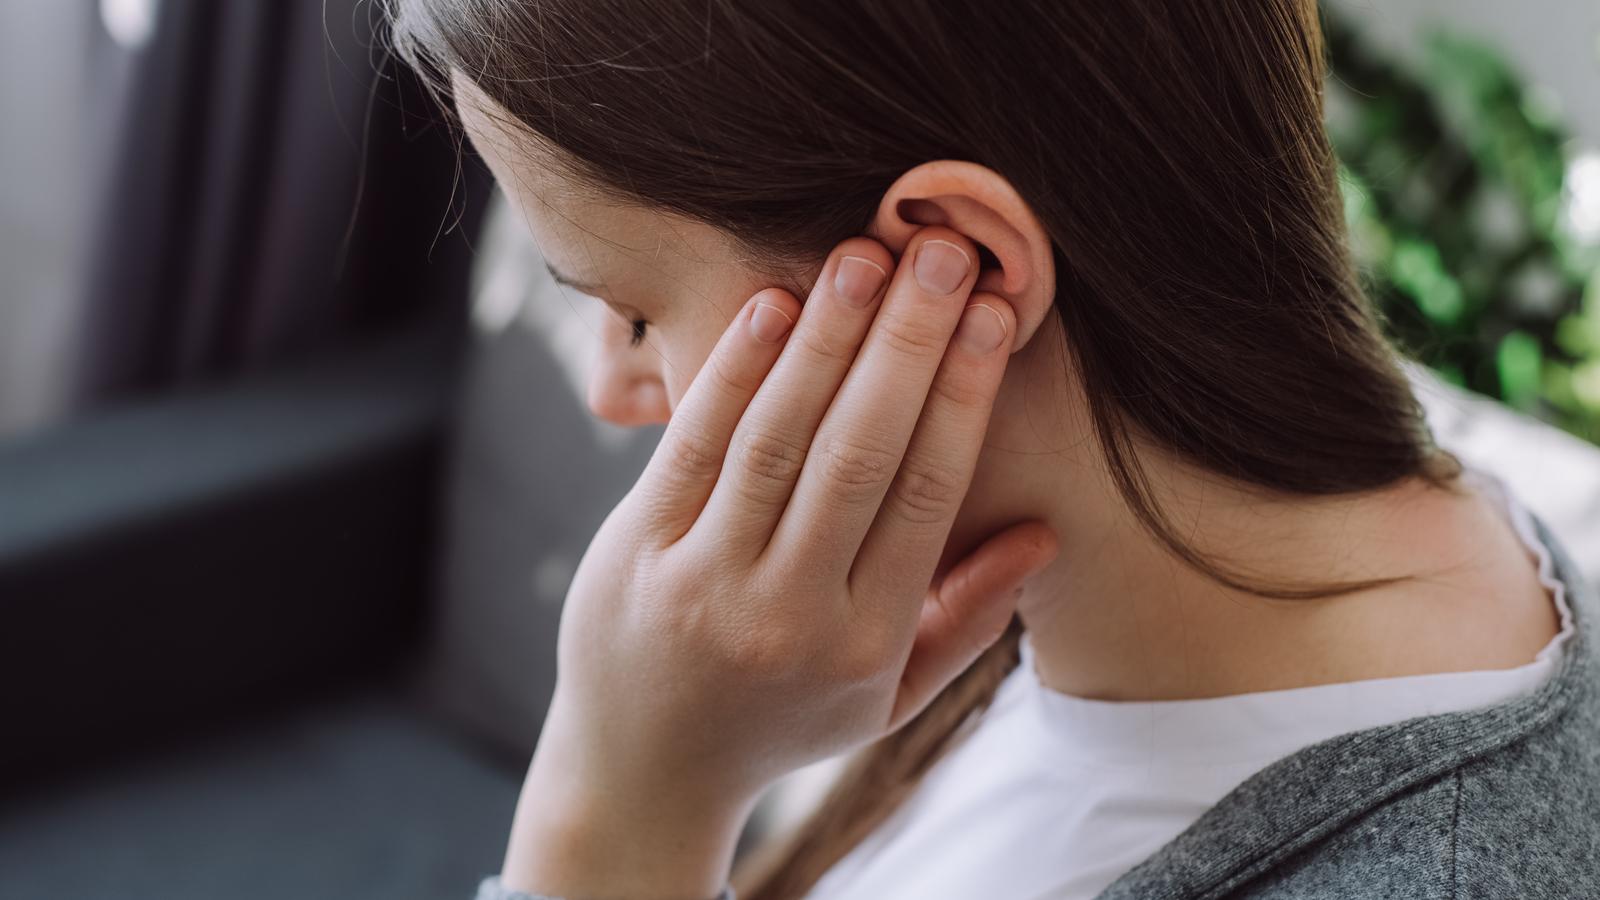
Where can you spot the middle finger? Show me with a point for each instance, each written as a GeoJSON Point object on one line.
{"type": "Point", "coordinates": [770, 444]}
{"type": "Point", "coordinates": [863, 438]}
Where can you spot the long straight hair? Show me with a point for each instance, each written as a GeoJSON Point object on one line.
{"type": "Point", "coordinates": [1174, 150]}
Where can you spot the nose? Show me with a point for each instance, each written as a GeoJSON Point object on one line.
{"type": "Point", "coordinates": [628, 400]}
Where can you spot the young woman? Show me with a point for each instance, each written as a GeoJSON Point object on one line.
{"type": "Point", "coordinates": [1080, 496]}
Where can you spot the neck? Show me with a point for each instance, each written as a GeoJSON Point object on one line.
{"type": "Point", "coordinates": [1117, 617]}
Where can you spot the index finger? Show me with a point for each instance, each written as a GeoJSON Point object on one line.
{"type": "Point", "coordinates": [687, 461]}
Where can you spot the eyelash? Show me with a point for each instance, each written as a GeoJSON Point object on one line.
{"type": "Point", "coordinates": [638, 325]}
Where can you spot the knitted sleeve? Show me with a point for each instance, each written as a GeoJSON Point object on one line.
{"type": "Point", "coordinates": [491, 889]}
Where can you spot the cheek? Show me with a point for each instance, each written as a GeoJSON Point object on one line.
{"type": "Point", "coordinates": [688, 354]}
{"type": "Point", "coordinates": [678, 378]}
{"type": "Point", "coordinates": [677, 386]}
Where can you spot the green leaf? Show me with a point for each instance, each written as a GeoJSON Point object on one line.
{"type": "Point", "coordinates": [1518, 360]}
{"type": "Point", "coordinates": [1418, 269]}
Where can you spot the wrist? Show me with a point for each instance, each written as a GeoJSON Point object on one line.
{"type": "Point", "coordinates": [580, 833]}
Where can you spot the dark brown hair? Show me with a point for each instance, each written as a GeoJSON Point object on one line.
{"type": "Point", "coordinates": [1173, 149]}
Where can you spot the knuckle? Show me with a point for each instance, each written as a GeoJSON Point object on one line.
{"type": "Point", "coordinates": [815, 343]}
{"type": "Point", "coordinates": [762, 649]}
{"type": "Point", "coordinates": [729, 379]}
{"type": "Point", "coordinates": [693, 455]}
{"type": "Point", "coordinates": [960, 393]}
{"type": "Point", "coordinates": [855, 467]}
{"type": "Point", "coordinates": [911, 335]}
{"type": "Point", "coordinates": [926, 492]}
{"type": "Point", "coordinates": [758, 659]}
{"type": "Point", "coordinates": [770, 459]}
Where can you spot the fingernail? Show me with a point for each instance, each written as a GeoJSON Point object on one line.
{"type": "Point", "coordinates": [857, 280]}
{"type": "Point", "coordinates": [769, 323]}
{"type": "Point", "coordinates": [981, 329]}
{"type": "Point", "coordinates": [941, 267]}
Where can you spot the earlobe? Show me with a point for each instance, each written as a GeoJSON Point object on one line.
{"type": "Point", "coordinates": [1017, 259]}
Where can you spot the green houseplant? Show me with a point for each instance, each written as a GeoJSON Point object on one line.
{"type": "Point", "coordinates": [1460, 198]}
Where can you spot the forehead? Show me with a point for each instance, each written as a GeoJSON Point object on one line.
{"type": "Point", "coordinates": [581, 230]}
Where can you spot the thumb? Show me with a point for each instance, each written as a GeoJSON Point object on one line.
{"type": "Point", "coordinates": [967, 610]}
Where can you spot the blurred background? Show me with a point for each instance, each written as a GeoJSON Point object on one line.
{"type": "Point", "coordinates": [294, 461]}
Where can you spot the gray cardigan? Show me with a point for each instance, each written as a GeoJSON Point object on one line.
{"type": "Point", "coordinates": [1493, 803]}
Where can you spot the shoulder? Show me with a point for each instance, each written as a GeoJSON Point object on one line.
{"type": "Point", "coordinates": [1497, 801]}
{"type": "Point", "coordinates": [1529, 816]}
{"type": "Point", "coordinates": [1522, 822]}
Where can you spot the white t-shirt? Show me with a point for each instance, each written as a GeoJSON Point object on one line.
{"type": "Point", "coordinates": [1051, 795]}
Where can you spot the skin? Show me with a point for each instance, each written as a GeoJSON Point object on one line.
{"type": "Point", "coordinates": [1111, 614]}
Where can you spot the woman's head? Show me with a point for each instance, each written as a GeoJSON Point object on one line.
{"type": "Point", "coordinates": [1148, 181]}
{"type": "Point", "coordinates": [675, 283]}
{"type": "Point", "coordinates": [1150, 176]}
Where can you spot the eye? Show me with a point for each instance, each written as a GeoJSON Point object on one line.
{"type": "Point", "coordinates": [638, 325]}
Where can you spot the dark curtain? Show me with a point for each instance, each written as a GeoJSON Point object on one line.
{"type": "Point", "coordinates": [273, 184]}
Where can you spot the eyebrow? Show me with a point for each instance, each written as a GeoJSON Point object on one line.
{"type": "Point", "coordinates": [569, 281]}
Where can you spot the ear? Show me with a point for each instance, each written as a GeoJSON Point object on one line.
{"type": "Point", "coordinates": [1015, 257]}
